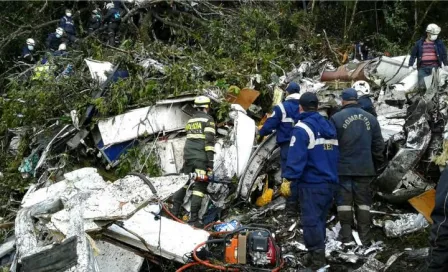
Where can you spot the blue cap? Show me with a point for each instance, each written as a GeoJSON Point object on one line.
{"type": "Point", "coordinates": [308, 100]}
{"type": "Point", "coordinates": [293, 88]}
{"type": "Point", "coordinates": [349, 95]}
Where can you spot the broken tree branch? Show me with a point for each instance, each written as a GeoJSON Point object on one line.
{"type": "Point", "coordinates": [422, 19]}
{"type": "Point", "coordinates": [352, 19]}
{"type": "Point", "coordinates": [331, 48]}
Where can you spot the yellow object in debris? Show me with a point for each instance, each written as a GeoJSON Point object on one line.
{"type": "Point", "coordinates": [425, 203]}
{"type": "Point", "coordinates": [285, 188]}
{"type": "Point", "coordinates": [266, 196]}
{"type": "Point", "coordinates": [185, 218]}
{"type": "Point", "coordinates": [278, 96]}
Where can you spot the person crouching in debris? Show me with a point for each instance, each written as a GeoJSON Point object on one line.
{"type": "Point", "coordinates": [68, 25]}
{"type": "Point", "coordinates": [27, 51]}
{"type": "Point", "coordinates": [437, 260]}
{"type": "Point", "coordinates": [361, 150]}
{"type": "Point", "coordinates": [112, 20]}
{"type": "Point", "coordinates": [363, 90]}
{"type": "Point", "coordinates": [312, 163]}
{"type": "Point", "coordinates": [54, 39]}
{"type": "Point", "coordinates": [283, 119]}
{"type": "Point", "coordinates": [199, 153]}
{"type": "Point", "coordinates": [94, 21]}
{"type": "Point", "coordinates": [430, 53]}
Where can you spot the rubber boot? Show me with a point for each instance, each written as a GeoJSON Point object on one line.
{"type": "Point", "coordinates": [346, 218]}
{"type": "Point", "coordinates": [178, 199]}
{"type": "Point", "coordinates": [363, 218]}
{"type": "Point", "coordinates": [196, 202]}
{"type": "Point", "coordinates": [319, 260]}
{"type": "Point", "coordinates": [292, 209]}
{"type": "Point", "coordinates": [314, 260]}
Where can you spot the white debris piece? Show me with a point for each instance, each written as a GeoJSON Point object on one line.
{"type": "Point", "coordinates": [99, 70]}
{"type": "Point", "coordinates": [82, 202]}
{"type": "Point", "coordinates": [147, 63]}
{"type": "Point", "coordinates": [112, 258]}
{"type": "Point", "coordinates": [232, 153]}
{"type": "Point", "coordinates": [371, 265]}
{"type": "Point", "coordinates": [171, 155]}
{"type": "Point", "coordinates": [143, 121]}
{"type": "Point", "coordinates": [7, 247]}
{"type": "Point", "coordinates": [407, 223]}
{"type": "Point", "coordinates": [390, 70]}
{"type": "Point", "coordinates": [255, 166]}
{"type": "Point", "coordinates": [165, 237]}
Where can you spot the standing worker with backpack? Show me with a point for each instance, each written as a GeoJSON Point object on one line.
{"type": "Point", "coordinates": [112, 20]}
{"type": "Point", "coordinates": [199, 152]}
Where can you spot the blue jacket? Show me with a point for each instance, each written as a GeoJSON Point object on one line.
{"type": "Point", "coordinates": [27, 54]}
{"type": "Point", "coordinates": [53, 42]}
{"type": "Point", "coordinates": [366, 104]}
{"type": "Point", "coordinates": [313, 153]}
{"type": "Point", "coordinates": [417, 52]}
{"type": "Point", "coordinates": [112, 16]}
{"type": "Point", "coordinates": [283, 118]}
{"type": "Point", "coordinates": [360, 141]}
{"type": "Point", "coordinates": [68, 25]}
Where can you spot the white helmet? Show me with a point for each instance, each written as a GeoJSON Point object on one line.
{"type": "Point", "coordinates": [110, 5]}
{"type": "Point", "coordinates": [433, 29]}
{"type": "Point", "coordinates": [361, 87]}
{"type": "Point", "coordinates": [30, 41]}
{"type": "Point", "coordinates": [59, 31]}
{"type": "Point", "coordinates": [62, 47]}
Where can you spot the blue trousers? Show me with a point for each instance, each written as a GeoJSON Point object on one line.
{"type": "Point", "coordinates": [422, 73]}
{"type": "Point", "coordinates": [315, 204]}
{"type": "Point", "coordinates": [438, 253]}
{"type": "Point", "coordinates": [284, 148]}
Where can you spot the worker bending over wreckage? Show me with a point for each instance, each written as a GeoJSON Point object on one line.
{"type": "Point", "coordinates": [363, 90]}
{"type": "Point", "coordinates": [199, 153]}
{"type": "Point", "coordinates": [312, 163]}
{"type": "Point", "coordinates": [430, 53]}
{"type": "Point", "coordinates": [361, 150]}
{"type": "Point", "coordinates": [438, 253]}
{"type": "Point", "coordinates": [283, 119]}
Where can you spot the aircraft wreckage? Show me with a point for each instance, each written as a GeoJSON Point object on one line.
{"type": "Point", "coordinates": [83, 222]}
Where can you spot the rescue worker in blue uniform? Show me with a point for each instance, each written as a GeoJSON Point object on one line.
{"type": "Point", "coordinates": [312, 163]}
{"type": "Point", "coordinates": [437, 260]}
{"type": "Point", "coordinates": [363, 90]}
{"type": "Point", "coordinates": [112, 20]}
{"type": "Point", "coordinates": [199, 153]}
{"type": "Point", "coordinates": [62, 51]}
{"type": "Point", "coordinates": [54, 39]}
{"type": "Point", "coordinates": [361, 148]}
{"type": "Point", "coordinates": [68, 25]}
{"type": "Point", "coordinates": [27, 51]}
{"type": "Point", "coordinates": [283, 119]}
{"type": "Point", "coordinates": [94, 21]}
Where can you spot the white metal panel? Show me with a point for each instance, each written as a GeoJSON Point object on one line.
{"type": "Point", "coordinates": [99, 69]}
{"type": "Point", "coordinates": [148, 120]}
{"type": "Point", "coordinates": [165, 237]}
{"type": "Point", "coordinates": [112, 258]}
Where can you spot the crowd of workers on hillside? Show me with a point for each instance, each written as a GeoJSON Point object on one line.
{"type": "Point", "coordinates": [65, 34]}
{"type": "Point", "coordinates": [324, 160]}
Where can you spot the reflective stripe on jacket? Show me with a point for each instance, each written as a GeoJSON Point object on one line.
{"type": "Point", "coordinates": [283, 119]}
{"type": "Point", "coordinates": [200, 144]}
{"type": "Point", "coordinates": [313, 152]}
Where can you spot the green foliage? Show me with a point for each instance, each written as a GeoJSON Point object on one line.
{"type": "Point", "coordinates": [136, 159]}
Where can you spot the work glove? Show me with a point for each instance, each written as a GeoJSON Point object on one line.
{"type": "Point", "coordinates": [209, 172]}
{"type": "Point", "coordinates": [285, 188]}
